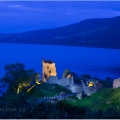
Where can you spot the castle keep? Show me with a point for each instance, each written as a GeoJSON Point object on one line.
{"type": "Point", "coordinates": [48, 69]}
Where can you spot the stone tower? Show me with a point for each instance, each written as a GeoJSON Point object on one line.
{"type": "Point", "coordinates": [48, 69]}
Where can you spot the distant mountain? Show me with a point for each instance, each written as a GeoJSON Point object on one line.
{"type": "Point", "coordinates": [98, 32]}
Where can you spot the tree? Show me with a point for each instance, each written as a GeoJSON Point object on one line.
{"type": "Point", "coordinates": [86, 76]}
{"type": "Point", "coordinates": [66, 73]}
{"type": "Point", "coordinates": [17, 77]}
{"type": "Point", "coordinates": [37, 77]}
{"type": "Point", "coordinates": [74, 74]}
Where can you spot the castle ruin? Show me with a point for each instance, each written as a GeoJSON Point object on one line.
{"type": "Point", "coordinates": [48, 69]}
{"type": "Point", "coordinates": [49, 75]}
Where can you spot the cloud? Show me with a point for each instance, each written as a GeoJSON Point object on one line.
{"type": "Point", "coordinates": [75, 12]}
{"type": "Point", "coordinates": [21, 7]}
{"type": "Point", "coordinates": [46, 9]}
{"type": "Point", "coordinates": [15, 6]}
{"type": "Point", "coordinates": [53, 13]}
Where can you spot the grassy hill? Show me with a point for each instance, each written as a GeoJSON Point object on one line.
{"type": "Point", "coordinates": [101, 100]}
{"type": "Point", "coordinates": [47, 90]}
{"type": "Point", "coordinates": [99, 32]}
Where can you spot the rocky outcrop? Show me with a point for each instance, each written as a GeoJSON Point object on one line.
{"type": "Point", "coordinates": [116, 83]}
{"type": "Point", "coordinates": [79, 95]}
{"type": "Point", "coordinates": [89, 91]}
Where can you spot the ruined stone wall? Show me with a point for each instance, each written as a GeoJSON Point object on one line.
{"type": "Point", "coordinates": [98, 86]}
{"type": "Point", "coordinates": [65, 82]}
{"type": "Point", "coordinates": [53, 80]}
{"type": "Point", "coordinates": [75, 88]}
{"type": "Point", "coordinates": [116, 83]}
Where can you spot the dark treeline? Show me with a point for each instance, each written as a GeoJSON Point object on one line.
{"type": "Point", "coordinates": [46, 110]}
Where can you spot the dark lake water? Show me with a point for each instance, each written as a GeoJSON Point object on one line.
{"type": "Point", "coordinates": [97, 62]}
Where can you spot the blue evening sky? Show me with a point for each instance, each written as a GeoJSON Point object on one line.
{"type": "Point", "coordinates": [23, 16]}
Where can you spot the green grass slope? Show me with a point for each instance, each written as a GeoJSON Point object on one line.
{"type": "Point", "coordinates": [101, 100]}
{"type": "Point", "coordinates": [47, 90]}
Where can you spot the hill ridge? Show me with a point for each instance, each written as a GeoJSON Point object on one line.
{"type": "Point", "coordinates": [96, 32]}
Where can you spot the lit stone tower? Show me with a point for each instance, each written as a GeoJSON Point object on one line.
{"type": "Point", "coordinates": [48, 69]}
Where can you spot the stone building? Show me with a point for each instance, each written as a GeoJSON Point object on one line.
{"type": "Point", "coordinates": [116, 83]}
{"type": "Point", "coordinates": [89, 87]}
{"type": "Point", "coordinates": [48, 69]}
